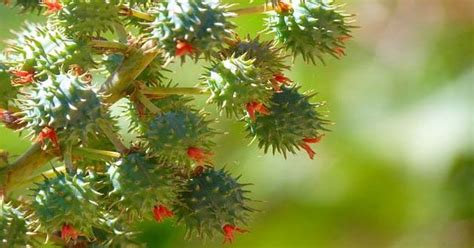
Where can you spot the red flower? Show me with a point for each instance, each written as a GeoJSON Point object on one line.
{"type": "Point", "coordinates": [229, 232]}
{"type": "Point", "coordinates": [10, 119]}
{"type": "Point", "coordinates": [198, 155]}
{"type": "Point", "coordinates": [183, 48]}
{"type": "Point", "coordinates": [256, 107]}
{"type": "Point", "coordinates": [278, 80]}
{"type": "Point", "coordinates": [68, 232]}
{"type": "Point", "coordinates": [307, 141]}
{"type": "Point", "coordinates": [52, 5]}
{"type": "Point", "coordinates": [283, 8]}
{"type": "Point", "coordinates": [48, 133]}
{"type": "Point", "coordinates": [161, 212]}
{"type": "Point", "coordinates": [23, 77]}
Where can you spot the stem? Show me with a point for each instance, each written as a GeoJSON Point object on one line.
{"type": "Point", "coordinates": [253, 10]}
{"type": "Point", "coordinates": [174, 91]}
{"type": "Point", "coordinates": [135, 13]}
{"type": "Point", "coordinates": [115, 87]}
{"type": "Point", "coordinates": [108, 45]}
{"type": "Point", "coordinates": [120, 82]}
{"type": "Point", "coordinates": [112, 136]}
{"type": "Point", "coordinates": [12, 176]}
{"type": "Point", "coordinates": [95, 154]}
{"type": "Point", "coordinates": [146, 102]}
{"type": "Point", "coordinates": [68, 158]}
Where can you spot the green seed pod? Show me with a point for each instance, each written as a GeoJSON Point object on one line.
{"type": "Point", "coordinates": [139, 183]}
{"type": "Point", "coordinates": [67, 199]}
{"type": "Point", "coordinates": [209, 201]}
{"type": "Point", "coordinates": [234, 83]}
{"type": "Point", "coordinates": [171, 135]}
{"type": "Point", "coordinates": [311, 28]}
{"type": "Point", "coordinates": [265, 55]}
{"type": "Point", "coordinates": [292, 119]}
{"type": "Point", "coordinates": [202, 25]}
{"type": "Point", "coordinates": [86, 18]}
{"type": "Point", "coordinates": [65, 103]}
{"type": "Point", "coordinates": [15, 227]}
{"type": "Point", "coordinates": [42, 49]}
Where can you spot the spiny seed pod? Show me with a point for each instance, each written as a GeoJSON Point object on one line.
{"type": "Point", "coordinates": [311, 28]}
{"type": "Point", "coordinates": [65, 103]}
{"type": "Point", "coordinates": [85, 18]}
{"type": "Point", "coordinates": [182, 136]}
{"type": "Point", "coordinates": [67, 202]}
{"type": "Point", "coordinates": [266, 56]}
{"type": "Point", "coordinates": [291, 124]}
{"type": "Point", "coordinates": [41, 49]}
{"type": "Point", "coordinates": [139, 183]}
{"type": "Point", "coordinates": [190, 27]}
{"type": "Point", "coordinates": [7, 92]}
{"type": "Point", "coordinates": [234, 83]}
{"type": "Point", "coordinates": [209, 201]}
{"type": "Point", "coordinates": [15, 227]}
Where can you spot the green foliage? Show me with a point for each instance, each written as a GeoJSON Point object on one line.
{"type": "Point", "coordinates": [211, 200]}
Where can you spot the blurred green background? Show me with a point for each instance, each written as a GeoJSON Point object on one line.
{"type": "Point", "coordinates": [397, 170]}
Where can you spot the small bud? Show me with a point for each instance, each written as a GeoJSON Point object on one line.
{"type": "Point", "coordinates": [283, 8]}
{"type": "Point", "coordinates": [23, 77]}
{"type": "Point", "coordinates": [307, 141]}
{"type": "Point", "coordinates": [10, 120]}
{"type": "Point", "coordinates": [68, 232]}
{"type": "Point", "coordinates": [199, 155]}
{"type": "Point", "coordinates": [48, 133]}
{"type": "Point", "coordinates": [229, 232]}
{"type": "Point", "coordinates": [278, 80]}
{"type": "Point", "coordinates": [52, 5]}
{"type": "Point", "coordinates": [183, 48]}
{"type": "Point", "coordinates": [160, 212]}
{"type": "Point", "coordinates": [256, 107]}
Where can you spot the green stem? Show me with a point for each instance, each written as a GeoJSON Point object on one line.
{"type": "Point", "coordinates": [253, 10]}
{"type": "Point", "coordinates": [108, 45]}
{"type": "Point", "coordinates": [175, 91]}
{"type": "Point", "coordinates": [107, 129]}
{"type": "Point", "coordinates": [138, 14]}
{"type": "Point", "coordinates": [146, 102]}
{"type": "Point", "coordinates": [96, 154]}
{"type": "Point", "coordinates": [12, 176]}
{"type": "Point", "coordinates": [67, 154]}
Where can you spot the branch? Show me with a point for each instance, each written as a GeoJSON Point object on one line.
{"type": "Point", "coordinates": [114, 88]}
{"type": "Point", "coordinates": [174, 91]}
